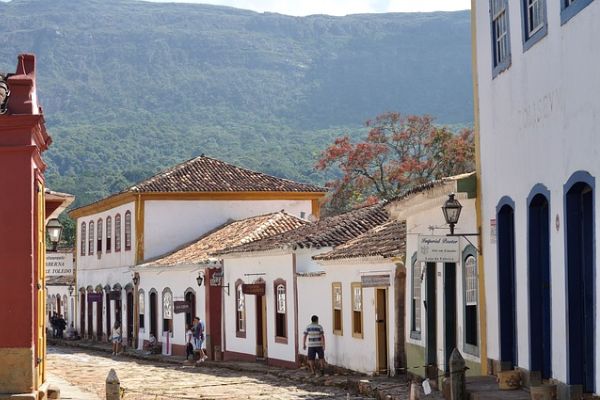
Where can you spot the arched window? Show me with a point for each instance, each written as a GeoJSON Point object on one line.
{"type": "Point", "coordinates": [240, 306]}
{"type": "Point", "coordinates": [470, 286]}
{"type": "Point", "coordinates": [118, 232]}
{"type": "Point", "coordinates": [99, 237]}
{"type": "Point", "coordinates": [91, 239]}
{"type": "Point", "coordinates": [415, 305]}
{"type": "Point", "coordinates": [128, 230]}
{"type": "Point", "coordinates": [108, 234]}
{"type": "Point", "coordinates": [280, 311]}
{"type": "Point", "coordinates": [82, 239]}
{"type": "Point", "coordinates": [141, 307]}
{"type": "Point", "coordinates": [167, 306]}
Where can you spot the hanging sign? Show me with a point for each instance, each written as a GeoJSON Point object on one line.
{"type": "Point", "coordinates": [438, 249]}
{"type": "Point", "coordinates": [254, 288]}
{"type": "Point", "coordinates": [367, 281]}
{"type": "Point", "coordinates": [216, 279]}
{"type": "Point", "coordinates": [180, 307]}
{"type": "Point", "coordinates": [94, 297]}
{"type": "Point", "coordinates": [59, 264]}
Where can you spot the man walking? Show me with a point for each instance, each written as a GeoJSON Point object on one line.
{"type": "Point", "coordinates": [316, 344]}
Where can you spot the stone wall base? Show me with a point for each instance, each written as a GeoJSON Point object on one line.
{"type": "Point", "coordinates": [17, 372]}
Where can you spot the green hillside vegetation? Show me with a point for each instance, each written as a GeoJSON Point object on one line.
{"type": "Point", "coordinates": [130, 87]}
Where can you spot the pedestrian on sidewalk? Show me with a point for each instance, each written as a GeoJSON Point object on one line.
{"type": "Point", "coordinates": [116, 338]}
{"type": "Point", "coordinates": [198, 332]}
{"type": "Point", "coordinates": [189, 339]}
{"type": "Point", "coordinates": [316, 344]}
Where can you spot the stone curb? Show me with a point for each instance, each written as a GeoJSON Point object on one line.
{"type": "Point", "coordinates": [378, 388]}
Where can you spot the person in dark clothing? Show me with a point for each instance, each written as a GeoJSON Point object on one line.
{"type": "Point", "coordinates": [53, 324]}
{"type": "Point", "coordinates": [61, 325]}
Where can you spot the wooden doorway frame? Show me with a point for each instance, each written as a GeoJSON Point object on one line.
{"type": "Point", "coordinates": [381, 330]}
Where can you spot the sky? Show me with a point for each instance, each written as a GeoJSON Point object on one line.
{"type": "Point", "coordinates": [337, 7]}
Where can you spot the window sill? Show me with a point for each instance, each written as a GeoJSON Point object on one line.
{"type": "Point", "coordinates": [536, 37]}
{"type": "Point", "coordinates": [338, 333]}
{"type": "Point", "coordinates": [415, 335]}
{"type": "Point", "coordinates": [240, 334]}
{"type": "Point", "coordinates": [357, 335]}
{"type": "Point", "coordinates": [567, 13]}
{"type": "Point", "coordinates": [471, 349]}
{"type": "Point", "coordinates": [500, 68]}
{"type": "Point", "coordinates": [281, 339]}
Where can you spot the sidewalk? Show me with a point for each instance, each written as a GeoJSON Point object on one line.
{"type": "Point", "coordinates": [68, 391]}
{"type": "Point", "coordinates": [388, 388]}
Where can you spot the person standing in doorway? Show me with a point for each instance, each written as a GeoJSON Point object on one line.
{"type": "Point", "coordinates": [189, 339]}
{"type": "Point", "coordinates": [116, 338]}
{"type": "Point", "coordinates": [316, 344]}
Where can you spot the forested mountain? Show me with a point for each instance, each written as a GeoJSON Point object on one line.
{"type": "Point", "coordinates": [129, 87]}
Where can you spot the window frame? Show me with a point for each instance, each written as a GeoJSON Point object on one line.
{"type": "Point", "coordinates": [141, 309]}
{"type": "Point", "coordinates": [99, 233]}
{"type": "Point", "coordinates": [127, 224]}
{"type": "Point", "coordinates": [91, 242]}
{"type": "Point", "coordinates": [276, 285]}
{"type": "Point", "coordinates": [334, 286]}
{"type": "Point", "coordinates": [414, 310]}
{"type": "Point", "coordinates": [167, 309]}
{"type": "Point", "coordinates": [569, 11]}
{"type": "Point", "coordinates": [240, 315]}
{"type": "Point", "coordinates": [470, 348]}
{"type": "Point", "coordinates": [108, 234]}
{"type": "Point", "coordinates": [118, 233]}
{"type": "Point", "coordinates": [497, 65]}
{"type": "Point", "coordinates": [531, 38]}
{"type": "Point", "coordinates": [361, 333]}
{"type": "Point", "coordinates": [83, 239]}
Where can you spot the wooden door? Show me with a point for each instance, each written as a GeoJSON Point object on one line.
{"type": "Point", "coordinates": [449, 312]}
{"type": "Point", "coordinates": [381, 329]}
{"type": "Point", "coordinates": [261, 327]}
{"type": "Point", "coordinates": [506, 286]}
{"type": "Point", "coordinates": [431, 318]}
{"type": "Point", "coordinates": [40, 349]}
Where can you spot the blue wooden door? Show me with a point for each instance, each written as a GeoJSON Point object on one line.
{"type": "Point", "coordinates": [540, 330]}
{"type": "Point", "coordinates": [506, 285]}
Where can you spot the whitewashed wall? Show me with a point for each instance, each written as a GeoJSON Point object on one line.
{"type": "Point", "coordinates": [418, 223]}
{"type": "Point", "coordinates": [179, 281]}
{"type": "Point", "coordinates": [168, 224]}
{"type": "Point", "coordinates": [539, 124]}
{"type": "Point", "coordinates": [114, 258]}
{"type": "Point", "coordinates": [275, 266]}
{"type": "Point", "coordinates": [315, 297]}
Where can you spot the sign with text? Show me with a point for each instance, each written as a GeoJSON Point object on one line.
{"type": "Point", "coordinates": [114, 295]}
{"type": "Point", "coordinates": [59, 264]}
{"type": "Point", "coordinates": [94, 297]}
{"type": "Point", "coordinates": [254, 288]}
{"type": "Point", "coordinates": [493, 231]}
{"type": "Point", "coordinates": [180, 307]}
{"type": "Point", "coordinates": [216, 279]}
{"type": "Point", "coordinates": [438, 249]}
{"type": "Point", "coordinates": [367, 281]}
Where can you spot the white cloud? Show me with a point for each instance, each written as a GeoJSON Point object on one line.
{"type": "Point", "coordinates": [338, 7]}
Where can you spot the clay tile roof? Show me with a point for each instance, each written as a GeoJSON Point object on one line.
{"type": "Point", "coordinates": [230, 234]}
{"type": "Point", "coordinates": [327, 232]}
{"type": "Point", "coordinates": [387, 240]}
{"type": "Point", "coordinates": [205, 174]}
{"type": "Point", "coordinates": [60, 280]}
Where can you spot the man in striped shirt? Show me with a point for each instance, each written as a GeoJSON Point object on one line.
{"type": "Point", "coordinates": [316, 344]}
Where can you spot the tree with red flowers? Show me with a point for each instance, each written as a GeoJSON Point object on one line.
{"type": "Point", "coordinates": [398, 154]}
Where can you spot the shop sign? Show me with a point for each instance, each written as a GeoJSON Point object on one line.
{"type": "Point", "coordinates": [257, 289]}
{"type": "Point", "coordinates": [59, 264]}
{"type": "Point", "coordinates": [216, 279]}
{"type": "Point", "coordinates": [94, 297]}
{"type": "Point", "coordinates": [438, 249]}
{"type": "Point", "coordinates": [368, 281]}
{"type": "Point", "coordinates": [494, 230]}
{"type": "Point", "coordinates": [180, 307]}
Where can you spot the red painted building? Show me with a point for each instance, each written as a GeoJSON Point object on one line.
{"type": "Point", "coordinates": [24, 211]}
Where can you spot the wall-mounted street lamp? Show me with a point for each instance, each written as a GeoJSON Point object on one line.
{"type": "Point", "coordinates": [200, 278]}
{"type": "Point", "coordinates": [451, 210]}
{"type": "Point", "coordinates": [71, 288]}
{"type": "Point", "coordinates": [136, 278]}
{"type": "Point", "coordinates": [54, 230]}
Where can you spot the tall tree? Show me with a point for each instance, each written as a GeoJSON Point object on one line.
{"type": "Point", "coordinates": [398, 154]}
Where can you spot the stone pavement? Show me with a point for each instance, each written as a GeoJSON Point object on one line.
{"type": "Point", "coordinates": [168, 377]}
{"type": "Point", "coordinates": [69, 391]}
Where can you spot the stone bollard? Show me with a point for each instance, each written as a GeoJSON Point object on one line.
{"type": "Point", "coordinates": [113, 386]}
{"type": "Point", "coordinates": [457, 376]}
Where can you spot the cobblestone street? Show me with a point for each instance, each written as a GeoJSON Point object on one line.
{"type": "Point", "coordinates": [144, 380]}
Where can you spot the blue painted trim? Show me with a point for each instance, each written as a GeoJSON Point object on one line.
{"type": "Point", "coordinates": [501, 67]}
{"type": "Point", "coordinates": [578, 177]}
{"type": "Point", "coordinates": [468, 348]}
{"type": "Point", "coordinates": [505, 201]}
{"type": "Point", "coordinates": [529, 41]}
{"type": "Point", "coordinates": [539, 189]}
{"type": "Point", "coordinates": [566, 13]}
{"type": "Point", "coordinates": [414, 334]}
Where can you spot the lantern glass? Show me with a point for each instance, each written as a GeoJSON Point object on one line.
{"type": "Point", "coordinates": [199, 279]}
{"type": "Point", "coordinates": [54, 230]}
{"type": "Point", "coordinates": [451, 210]}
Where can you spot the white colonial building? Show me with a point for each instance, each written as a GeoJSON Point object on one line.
{"type": "Point", "coordinates": [537, 84]}
{"type": "Point", "coordinates": [157, 216]}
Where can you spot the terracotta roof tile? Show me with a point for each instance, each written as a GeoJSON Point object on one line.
{"type": "Point", "coordinates": [331, 231]}
{"type": "Point", "coordinates": [387, 240]}
{"type": "Point", "coordinates": [230, 234]}
{"type": "Point", "coordinates": [205, 174]}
